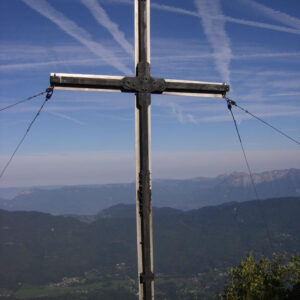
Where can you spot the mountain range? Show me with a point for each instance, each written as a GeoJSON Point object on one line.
{"type": "Point", "coordinates": [180, 194]}
{"type": "Point", "coordinates": [38, 248]}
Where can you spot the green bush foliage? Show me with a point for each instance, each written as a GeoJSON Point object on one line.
{"type": "Point", "coordinates": [265, 279]}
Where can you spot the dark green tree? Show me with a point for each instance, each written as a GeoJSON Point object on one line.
{"type": "Point", "coordinates": [265, 279]}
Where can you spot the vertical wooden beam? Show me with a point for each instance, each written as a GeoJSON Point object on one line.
{"type": "Point", "coordinates": [143, 153]}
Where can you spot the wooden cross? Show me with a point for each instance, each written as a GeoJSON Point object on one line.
{"type": "Point", "coordinates": [143, 85]}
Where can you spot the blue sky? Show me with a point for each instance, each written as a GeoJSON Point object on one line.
{"type": "Point", "coordinates": [88, 137]}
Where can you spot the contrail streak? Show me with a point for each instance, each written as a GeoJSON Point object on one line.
{"type": "Point", "coordinates": [214, 29]}
{"type": "Point", "coordinates": [69, 27]}
{"type": "Point", "coordinates": [103, 19]}
{"type": "Point", "coordinates": [65, 117]}
{"type": "Point", "coordinates": [275, 14]}
{"type": "Point", "coordinates": [227, 19]}
{"type": "Point", "coordinates": [262, 25]}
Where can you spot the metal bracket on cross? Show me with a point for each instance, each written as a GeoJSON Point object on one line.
{"type": "Point", "coordinates": [144, 277]}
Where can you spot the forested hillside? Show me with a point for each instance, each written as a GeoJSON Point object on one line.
{"type": "Point", "coordinates": [38, 248]}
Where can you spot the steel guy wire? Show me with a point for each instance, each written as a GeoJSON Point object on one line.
{"type": "Point", "coordinates": [24, 100]}
{"type": "Point", "coordinates": [261, 120]}
{"type": "Point", "coordinates": [229, 105]}
{"type": "Point", "coordinates": [49, 92]}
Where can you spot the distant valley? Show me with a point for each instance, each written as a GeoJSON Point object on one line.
{"type": "Point", "coordinates": [180, 194]}
{"type": "Point", "coordinates": [192, 249]}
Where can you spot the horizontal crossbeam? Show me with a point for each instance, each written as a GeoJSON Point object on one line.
{"type": "Point", "coordinates": [195, 88]}
{"type": "Point", "coordinates": [137, 84]}
{"type": "Point", "coordinates": [63, 81]}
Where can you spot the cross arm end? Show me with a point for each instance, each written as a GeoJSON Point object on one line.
{"type": "Point", "coordinates": [66, 81]}
{"type": "Point", "coordinates": [196, 88]}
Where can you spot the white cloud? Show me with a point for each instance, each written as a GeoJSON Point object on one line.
{"type": "Point", "coordinates": [19, 56]}
{"type": "Point", "coordinates": [180, 115]}
{"type": "Point", "coordinates": [116, 117]}
{"type": "Point", "coordinates": [117, 1]}
{"type": "Point", "coordinates": [174, 9]}
{"type": "Point", "coordinates": [56, 108]}
{"type": "Point", "coordinates": [280, 73]}
{"type": "Point", "coordinates": [214, 29]}
{"type": "Point", "coordinates": [66, 117]}
{"type": "Point", "coordinates": [79, 34]}
{"type": "Point", "coordinates": [39, 65]}
{"type": "Point", "coordinates": [262, 25]}
{"type": "Point", "coordinates": [275, 14]}
{"type": "Point", "coordinates": [265, 55]}
{"type": "Point", "coordinates": [214, 111]}
{"type": "Point", "coordinates": [103, 19]}
{"type": "Point", "coordinates": [286, 94]}
{"type": "Point", "coordinates": [216, 117]}
{"type": "Point", "coordinates": [176, 60]}
{"type": "Point", "coordinates": [286, 84]}
{"type": "Point", "coordinates": [227, 19]}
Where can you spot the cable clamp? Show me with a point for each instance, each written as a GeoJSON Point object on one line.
{"type": "Point", "coordinates": [230, 103]}
{"type": "Point", "coordinates": [49, 92]}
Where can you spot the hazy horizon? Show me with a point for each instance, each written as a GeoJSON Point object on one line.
{"type": "Point", "coordinates": [83, 184]}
